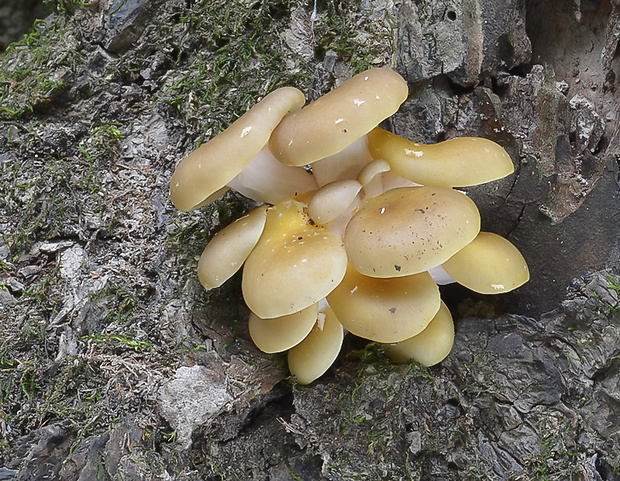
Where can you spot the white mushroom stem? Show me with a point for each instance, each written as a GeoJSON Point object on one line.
{"type": "Point", "coordinates": [342, 165]}
{"type": "Point", "coordinates": [440, 276]}
{"type": "Point", "coordinates": [265, 179]}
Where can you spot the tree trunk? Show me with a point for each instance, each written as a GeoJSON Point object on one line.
{"type": "Point", "coordinates": [116, 364]}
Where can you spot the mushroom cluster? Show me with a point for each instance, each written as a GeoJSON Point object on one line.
{"type": "Point", "coordinates": [358, 225]}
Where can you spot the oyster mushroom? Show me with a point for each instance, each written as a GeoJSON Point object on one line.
{"type": "Point", "coordinates": [309, 359]}
{"type": "Point", "coordinates": [227, 251]}
{"type": "Point", "coordinates": [334, 127]}
{"type": "Point", "coordinates": [458, 162]}
{"type": "Point", "coordinates": [489, 264]}
{"type": "Point", "coordinates": [282, 333]}
{"type": "Point", "coordinates": [204, 175]}
{"type": "Point", "coordinates": [429, 347]}
{"type": "Point", "coordinates": [295, 264]}
{"type": "Point", "coordinates": [385, 310]}
{"type": "Point", "coordinates": [409, 230]}
{"type": "Point", "coordinates": [332, 200]}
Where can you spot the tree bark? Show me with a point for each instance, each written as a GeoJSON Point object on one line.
{"type": "Point", "coordinates": [116, 364]}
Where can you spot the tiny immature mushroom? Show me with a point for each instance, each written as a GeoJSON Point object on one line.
{"type": "Point", "coordinates": [309, 359]}
{"type": "Point", "coordinates": [458, 162]}
{"type": "Point", "coordinates": [385, 310]}
{"type": "Point", "coordinates": [295, 264]}
{"type": "Point", "coordinates": [332, 200]}
{"type": "Point", "coordinates": [410, 230]}
{"type": "Point", "coordinates": [490, 264]}
{"type": "Point", "coordinates": [227, 251]}
{"type": "Point", "coordinates": [282, 333]}
{"type": "Point", "coordinates": [429, 347]}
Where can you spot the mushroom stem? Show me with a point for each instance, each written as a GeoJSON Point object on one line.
{"type": "Point", "coordinates": [342, 165]}
{"type": "Point", "coordinates": [266, 179]}
{"type": "Point", "coordinates": [440, 276]}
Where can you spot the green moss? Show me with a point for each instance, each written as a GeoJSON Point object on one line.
{"type": "Point", "coordinates": [359, 39]}
{"type": "Point", "coordinates": [28, 183]}
{"type": "Point", "coordinates": [220, 78]}
{"type": "Point", "coordinates": [34, 72]}
{"type": "Point", "coordinates": [113, 342]}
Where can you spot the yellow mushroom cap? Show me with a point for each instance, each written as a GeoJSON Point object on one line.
{"type": "Point", "coordinates": [227, 251]}
{"type": "Point", "coordinates": [429, 347]}
{"type": "Point", "coordinates": [410, 230]}
{"type": "Point", "coordinates": [456, 162]}
{"type": "Point", "coordinates": [282, 333]}
{"type": "Point", "coordinates": [332, 200]}
{"type": "Point", "coordinates": [215, 163]}
{"type": "Point", "coordinates": [295, 264]}
{"type": "Point", "coordinates": [338, 118]}
{"type": "Point", "coordinates": [490, 264]}
{"type": "Point", "coordinates": [309, 359]}
{"type": "Point", "coordinates": [385, 310]}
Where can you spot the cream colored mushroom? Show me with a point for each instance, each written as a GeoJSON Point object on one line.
{"type": "Point", "coordinates": [282, 333]}
{"type": "Point", "coordinates": [337, 122]}
{"type": "Point", "coordinates": [227, 251]}
{"type": "Point", "coordinates": [410, 230]}
{"type": "Point", "coordinates": [385, 310]}
{"type": "Point", "coordinates": [208, 169]}
{"type": "Point", "coordinates": [295, 264]}
{"type": "Point", "coordinates": [490, 264]}
{"type": "Point", "coordinates": [458, 162]}
{"type": "Point", "coordinates": [429, 347]}
{"type": "Point", "coordinates": [332, 200]}
{"type": "Point", "coordinates": [313, 356]}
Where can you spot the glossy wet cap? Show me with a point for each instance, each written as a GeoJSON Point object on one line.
{"type": "Point", "coordinates": [209, 168]}
{"type": "Point", "coordinates": [334, 121]}
{"type": "Point", "coordinates": [410, 230]}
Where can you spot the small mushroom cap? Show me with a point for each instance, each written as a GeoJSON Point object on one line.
{"type": "Point", "coordinates": [227, 251]}
{"type": "Point", "coordinates": [332, 200]}
{"type": "Point", "coordinates": [409, 230]}
{"type": "Point", "coordinates": [309, 359]}
{"type": "Point", "coordinates": [215, 163]}
{"type": "Point", "coordinates": [385, 310]}
{"type": "Point", "coordinates": [282, 333]}
{"type": "Point", "coordinates": [337, 119]}
{"type": "Point", "coordinates": [490, 264]}
{"type": "Point", "coordinates": [371, 170]}
{"type": "Point", "coordinates": [456, 162]}
{"type": "Point", "coordinates": [295, 264]}
{"type": "Point", "coordinates": [429, 347]}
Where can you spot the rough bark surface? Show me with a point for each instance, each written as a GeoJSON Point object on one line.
{"type": "Point", "coordinates": [116, 364]}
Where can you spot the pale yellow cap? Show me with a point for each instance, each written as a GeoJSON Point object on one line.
{"type": "Point", "coordinates": [337, 119]}
{"type": "Point", "coordinates": [385, 310]}
{"type": "Point", "coordinates": [410, 230]}
{"type": "Point", "coordinates": [215, 163]}
{"type": "Point", "coordinates": [309, 359]}
{"type": "Point", "coordinates": [490, 264]}
{"type": "Point", "coordinates": [458, 162]}
{"type": "Point", "coordinates": [332, 200]}
{"type": "Point", "coordinates": [227, 251]}
{"type": "Point", "coordinates": [429, 347]}
{"type": "Point", "coordinates": [282, 333]}
{"type": "Point", "coordinates": [295, 264]}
